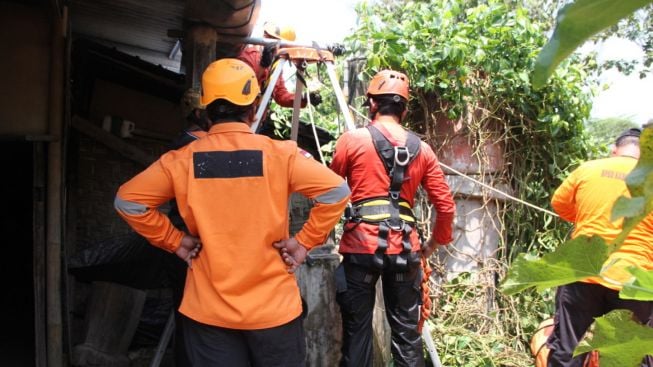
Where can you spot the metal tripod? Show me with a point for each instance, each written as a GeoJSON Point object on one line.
{"type": "Point", "coordinates": [301, 57]}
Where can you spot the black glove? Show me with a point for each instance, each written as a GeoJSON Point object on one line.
{"type": "Point", "coordinates": [268, 54]}
{"type": "Point", "coordinates": [337, 49]}
{"type": "Point", "coordinates": [316, 98]}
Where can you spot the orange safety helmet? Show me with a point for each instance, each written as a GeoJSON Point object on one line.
{"type": "Point", "coordinates": [285, 33]}
{"type": "Point", "coordinates": [229, 79]}
{"type": "Point", "coordinates": [389, 82]}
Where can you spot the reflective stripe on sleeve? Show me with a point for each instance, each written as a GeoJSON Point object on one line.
{"type": "Point", "coordinates": [334, 195]}
{"type": "Point", "coordinates": [129, 207]}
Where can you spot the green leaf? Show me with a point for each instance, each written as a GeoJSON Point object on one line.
{"type": "Point", "coordinates": [574, 260]}
{"type": "Point", "coordinates": [575, 23]}
{"type": "Point", "coordinates": [621, 342]}
{"type": "Point", "coordinates": [641, 288]}
{"type": "Point", "coordinates": [640, 185]}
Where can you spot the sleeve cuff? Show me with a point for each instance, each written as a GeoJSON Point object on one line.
{"type": "Point", "coordinates": [302, 240]}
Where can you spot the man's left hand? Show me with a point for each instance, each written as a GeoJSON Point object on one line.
{"type": "Point", "coordinates": [189, 248]}
{"type": "Point", "coordinates": [292, 253]}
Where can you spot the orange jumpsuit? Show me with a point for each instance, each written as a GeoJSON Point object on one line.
{"type": "Point", "coordinates": [232, 189]}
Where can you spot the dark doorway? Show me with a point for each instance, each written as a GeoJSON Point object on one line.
{"type": "Point", "coordinates": [16, 270]}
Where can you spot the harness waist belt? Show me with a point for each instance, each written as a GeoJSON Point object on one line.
{"type": "Point", "coordinates": [379, 210]}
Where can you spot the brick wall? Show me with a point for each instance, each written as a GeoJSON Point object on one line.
{"type": "Point", "coordinates": [99, 173]}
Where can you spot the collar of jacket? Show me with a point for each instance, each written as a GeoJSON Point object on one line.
{"type": "Point", "coordinates": [225, 127]}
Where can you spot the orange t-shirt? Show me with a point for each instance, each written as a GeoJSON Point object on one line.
{"type": "Point", "coordinates": [586, 198]}
{"type": "Point", "coordinates": [232, 189]}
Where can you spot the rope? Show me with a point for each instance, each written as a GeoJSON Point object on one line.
{"type": "Point", "coordinates": [508, 196]}
{"type": "Point", "coordinates": [310, 115]}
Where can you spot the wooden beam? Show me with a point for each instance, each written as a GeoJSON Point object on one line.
{"type": "Point", "coordinates": [112, 142]}
{"type": "Point", "coordinates": [54, 194]}
{"type": "Point", "coordinates": [199, 52]}
{"type": "Point", "coordinates": [39, 256]}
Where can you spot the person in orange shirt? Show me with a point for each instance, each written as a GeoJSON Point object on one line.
{"type": "Point", "coordinates": [384, 165]}
{"type": "Point", "coordinates": [241, 304]}
{"type": "Point", "coordinates": [585, 198]}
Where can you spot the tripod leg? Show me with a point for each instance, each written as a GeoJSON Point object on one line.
{"type": "Point", "coordinates": [297, 104]}
{"type": "Point", "coordinates": [276, 73]}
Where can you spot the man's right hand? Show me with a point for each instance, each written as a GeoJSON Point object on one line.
{"type": "Point", "coordinates": [292, 253]}
{"type": "Point", "coordinates": [189, 248]}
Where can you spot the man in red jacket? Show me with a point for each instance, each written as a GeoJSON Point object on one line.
{"type": "Point", "coordinates": [384, 164]}
{"type": "Point", "coordinates": [260, 60]}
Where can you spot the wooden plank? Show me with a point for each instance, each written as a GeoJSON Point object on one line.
{"type": "Point", "coordinates": [11, 137]}
{"type": "Point", "coordinates": [38, 222]}
{"type": "Point", "coordinates": [113, 142]}
{"type": "Point", "coordinates": [54, 196]}
{"type": "Point", "coordinates": [199, 52]}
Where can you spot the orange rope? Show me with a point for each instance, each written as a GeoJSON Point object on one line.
{"type": "Point", "coordinates": [427, 304]}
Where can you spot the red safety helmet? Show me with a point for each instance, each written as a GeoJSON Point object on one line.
{"type": "Point", "coordinates": [389, 82]}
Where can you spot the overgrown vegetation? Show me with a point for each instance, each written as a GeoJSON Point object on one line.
{"type": "Point", "coordinates": [469, 66]}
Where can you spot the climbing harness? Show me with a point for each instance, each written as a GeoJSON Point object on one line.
{"type": "Point", "coordinates": [389, 213]}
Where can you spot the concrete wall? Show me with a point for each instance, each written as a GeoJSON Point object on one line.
{"type": "Point", "coordinates": [25, 62]}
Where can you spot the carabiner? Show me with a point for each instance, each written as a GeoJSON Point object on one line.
{"type": "Point", "coordinates": [400, 150]}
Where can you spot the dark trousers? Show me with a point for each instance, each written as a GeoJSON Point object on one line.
{"type": "Point", "coordinates": [212, 346]}
{"type": "Point", "coordinates": [577, 304]}
{"type": "Point", "coordinates": [356, 287]}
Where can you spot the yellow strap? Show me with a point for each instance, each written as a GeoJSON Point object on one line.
{"type": "Point", "coordinates": [405, 204]}
{"type": "Point", "coordinates": [375, 217]}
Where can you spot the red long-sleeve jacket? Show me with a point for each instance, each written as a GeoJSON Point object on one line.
{"type": "Point", "coordinates": [356, 159]}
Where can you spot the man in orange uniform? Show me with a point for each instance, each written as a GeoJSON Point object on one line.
{"type": "Point", "coordinates": [240, 303]}
{"type": "Point", "coordinates": [384, 165]}
{"type": "Point", "coordinates": [585, 198]}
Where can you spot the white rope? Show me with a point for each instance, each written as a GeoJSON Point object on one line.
{"type": "Point", "coordinates": [508, 196]}
{"type": "Point", "coordinates": [310, 115]}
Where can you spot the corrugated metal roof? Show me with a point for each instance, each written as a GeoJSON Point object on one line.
{"type": "Point", "coordinates": [136, 27]}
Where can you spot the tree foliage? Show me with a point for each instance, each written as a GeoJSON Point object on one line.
{"type": "Point", "coordinates": [471, 65]}
{"type": "Point", "coordinates": [576, 22]}
{"type": "Point", "coordinates": [604, 132]}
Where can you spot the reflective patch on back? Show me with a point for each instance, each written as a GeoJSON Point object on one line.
{"type": "Point", "coordinates": [239, 163]}
{"type": "Point", "coordinates": [305, 153]}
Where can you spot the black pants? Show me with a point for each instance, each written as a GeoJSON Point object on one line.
{"type": "Point", "coordinates": [577, 304]}
{"type": "Point", "coordinates": [356, 296]}
{"type": "Point", "coordinates": [212, 346]}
